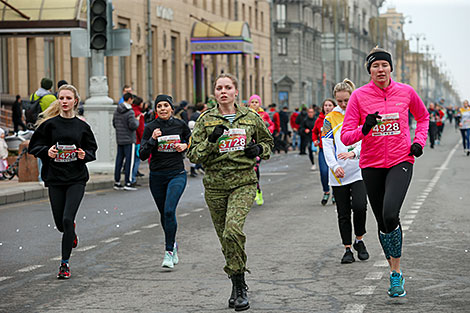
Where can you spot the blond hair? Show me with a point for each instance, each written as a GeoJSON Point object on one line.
{"type": "Point", "coordinates": [54, 108]}
{"type": "Point", "coordinates": [345, 85]}
{"type": "Point", "coordinates": [228, 75]}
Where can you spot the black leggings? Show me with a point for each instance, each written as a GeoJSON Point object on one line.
{"type": "Point", "coordinates": [65, 201]}
{"type": "Point", "coordinates": [386, 188]}
{"type": "Point", "coordinates": [351, 197]}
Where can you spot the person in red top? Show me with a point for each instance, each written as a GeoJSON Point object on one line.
{"type": "Point", "coordinates": [295, 129]}
{"type": "Point", "coordinates": [137, 106]}
{"type": "Point", "coordinates": [274, 115]}
{"type": "Point", "coordinates": [440, 123]}
{"type": "Point", "coordinates": [327, 106]}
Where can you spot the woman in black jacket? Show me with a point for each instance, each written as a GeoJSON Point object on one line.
{"type": "Point", "coordinates": [65, 144]}
{"type": "Point", "coordinates": [165, 140]}
{"type": "Point", "coordinates": [305, 131]}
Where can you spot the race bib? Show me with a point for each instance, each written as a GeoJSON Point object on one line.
{"type": "Point", "coordinates": [232, 140]}
{"type": "Point", "coordinates": [389, 125]}
{"type": "Point", "coordinates": [167, 143]}
{"type": "Point", "coordinates": [66, 153]}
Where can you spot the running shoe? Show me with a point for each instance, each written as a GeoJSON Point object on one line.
{"type": "Point", "coordinates": [168, 260]}
{"type": "Point", "coordinates": [348, 257]}
{"type": "Point", "coordinates": [362, 253]}
{"type": "Point", "coordinates": [313, 168]}
{"type": "Point", "coordinates": [397, 285]}
{"type": "Point", "coordinates": [129, 186]}
{"type": "Point", "coordinates": [259, 198]}
{"type": "Point", "coordinates": [333, 200]}
{"type": "Point", "coordinates": [118, 186]}
{"type": "Point", "coordinates": [326, 196]}
{"type": "Point", "coordinates": [64, 271]}
{"type": "Point", "coordinates": [175, 254]}
{"type": "Point", "coordinates": [75, 240]}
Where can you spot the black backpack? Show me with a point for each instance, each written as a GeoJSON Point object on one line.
{"type": "Point", "coordinates": [32, 112]}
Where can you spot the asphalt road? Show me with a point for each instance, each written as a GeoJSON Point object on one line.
{"type": "Point", "coordinates": [293, 247]}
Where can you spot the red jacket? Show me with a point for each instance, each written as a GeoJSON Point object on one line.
{"type": "Point", "coordinates": [439, 122]}
{"type": "Point", "coordinates": [293, 124]}
{"type": "Point", "coordinates": [276, 120]}
{"type": "Point", "coordinates": [140, 130]}
{"type": "Point", "coordinates": [316, 131]}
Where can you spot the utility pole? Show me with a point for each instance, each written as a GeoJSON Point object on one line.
{"type": "Point", "coordinates": [418, 37]}
{"type": "Point", "coordinates": [403, 22]}
{"type": "Point", "coordinates": [336, 32]}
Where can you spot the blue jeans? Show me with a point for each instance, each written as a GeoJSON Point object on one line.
{"type": "Point", "coordinates": [167, 188]}
{"type": "Point", "coordinates": [323, 170]}
{"type": "Point", "coordinates": [465, 138]}
{"type": "Point", "coordinates": [136, 163]}
{"type": "Point", "coordinates": [124, 152]}
{"type": "Point", "coordinates": [295, 140]}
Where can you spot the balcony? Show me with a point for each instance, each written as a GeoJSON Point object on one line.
{"type": "Point", "coordinates": [282, 27]}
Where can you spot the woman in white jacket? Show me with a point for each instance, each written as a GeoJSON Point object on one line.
{"type": "Point", "coordinates": [345, 176]}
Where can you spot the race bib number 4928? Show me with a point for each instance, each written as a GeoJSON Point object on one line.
{"type": "Point", "coordinates": [388, 125]}
{"type": "Point", "coordinates": [233, 139]}
{"type": "Point", "coordinates": [66, 153]}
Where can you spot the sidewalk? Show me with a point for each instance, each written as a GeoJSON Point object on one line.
{"type": "Point", "coordinates": [12, 191]}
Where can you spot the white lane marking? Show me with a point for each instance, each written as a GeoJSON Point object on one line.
{"type": "Point", "coordinates": [365, 290]}
{"type": "Point", "coordinates": [407, 222]}
{"type": "Point", "coordinates": [405, 227]}
{"type": "Point", "coordinates": [383, 263]}
{"type": "Point", "coordinates": [415, 206]}
{"type": "Point", "coordinates": [198, 210]}
{"type": "Point", "coordinates": [183, 215]}
{"type": "Point", "coordinates": [428, 189]}
{"type": "Point", "coordinates": [355, 308]}
{"type": "Point", "coordinates": [57, 258]}
{"type": "Point", "coordinates": [110, 239]}
{"type": "Point", "coordinates": [150, 226]}
{"type": "Point", "coordinates": [413, 211]}
{"type": "Point", "coordinates": [374, 275]}
{"type": "Point", "coordinates": [410, 216]}
{"type": "Point", "coordinates": [85, 248]}
{"type": "Point", "coordinates": [132, 232]}
{"type": "Point", "coordinates": [422, 197]}
{"type": "Point", "coordinates": [29, 268]}
{"type": "Point", "coordinates": [275, 174]}
{"type": "Point", "coordinates": [5, 278]}
{"type": "Point", "coordinates": [419, 203]}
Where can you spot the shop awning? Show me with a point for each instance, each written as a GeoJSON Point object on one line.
{"type": "Point", "coordinates": [41, 18]}
{"type": "Point", "coordinates": [221, 38]}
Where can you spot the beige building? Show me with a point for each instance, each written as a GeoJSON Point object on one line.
{"type": "Point", "coordinates": [163, 62]}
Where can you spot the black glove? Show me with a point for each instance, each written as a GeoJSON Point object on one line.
{"type": "Point", "coordinates": [416, 150]}
{"type": "Point", "coordinates": [253, 150]}
{"type": "Point", "coordinates": [371, 121]}
{"type": "Point", "coordinates": [218, 131]}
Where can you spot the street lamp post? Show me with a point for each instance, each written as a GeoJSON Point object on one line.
{"type": "Point", "coordinates": [418, 37]}
{"type": "Point", "coordinates": [403, 22]}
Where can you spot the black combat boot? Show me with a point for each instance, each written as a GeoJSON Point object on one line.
{"type": "Point", "coordinates": [241, 302]}
{"type": "Point", "coordinates": [233, 296]}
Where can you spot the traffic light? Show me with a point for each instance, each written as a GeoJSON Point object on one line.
{"type": "Point", "coordinates": [98, 24]}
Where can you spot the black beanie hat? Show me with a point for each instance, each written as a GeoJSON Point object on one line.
{"type": "Point", "coordinates": [166, 98]}
{"type": "Point", "coordinates": [379, 55]}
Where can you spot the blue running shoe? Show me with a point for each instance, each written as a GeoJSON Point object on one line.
{"type": "Point", "coordinates": [397, 285]}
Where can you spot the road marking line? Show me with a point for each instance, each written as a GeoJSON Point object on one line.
{"type": "Point", "coordinates": [274, 174]}
{"type": "Point", "coordinates": [57, 258]}
{"type": "Point", "coordinates": [407, 222]}
{"type": "Point", "coordinates": [198, 210]}
{"type": "Point", "coordinates": [5, 278]}
{"type": "Point", "coordinates": [374, 275]}
{"type": "Point", "coordinates": [415, 206]}
{"type": "Point", "coordinates": [29, 268]}
{"type": "Point", "coordinates": [413, 211]}
{"type": "Point", "coordinates": [110, 240]}
{"type": "Point", "coordinates": [418, 203]}
{"type": "Point", "coordinates": [132, 232]}
{"type": "Point", "coordinates": [383, 263]}
{"type": "Point", "coordinates": [405, 227]}
{"type": "Point", "coordinates": [421, 197]}
{"type": "Point", "coordinates": [355, 308]}
{"type": "Point", "coordinates": [184, 214]}
{"type": "Point", "coordinates": [428, 189]}
{"type": "Point", "coordinates": [410, 216]}
{"type": "Point", "coordinates": [365, 290]}
{"type": "Point", "coordinates": [150, 226]}
{"type": "Point", "coordinates": [85, 248]}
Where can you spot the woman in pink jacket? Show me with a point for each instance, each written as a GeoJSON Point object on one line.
{"type": "Point", "coordinates": [377, 114]}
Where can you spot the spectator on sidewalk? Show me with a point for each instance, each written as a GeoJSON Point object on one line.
{"type": "Point", "coordinates": [17, 114]}
{"type": "Point", "coordinates": [125, 89]}
{"type": "Point", "coordinates": [45, 93]}
{"type": "Point", "coordinates": [3, 153]}
{"type": "Point", "coordinates": [138, 107]}
{"type": "Point", "coordinates": [284, 123]}
{"type": "Point", "coordinates": [60, 83]}
{"type": "Point", "coordinates": [299, 120]}
{"type": "Point", "coordinates": [295, 129]}
{"type": "Point", "coordinates": [126, 124]}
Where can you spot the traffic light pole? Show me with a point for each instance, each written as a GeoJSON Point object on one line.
{"type": "Point", "coordinates": [99, 111]}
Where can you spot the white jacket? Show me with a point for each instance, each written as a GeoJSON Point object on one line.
{"type": "Point", "coordinates": [332, 146]}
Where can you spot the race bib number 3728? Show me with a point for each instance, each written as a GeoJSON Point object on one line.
{"type": "Point", "coordinates": [233, 139]}
{"type": "Point", "coordinates": [388, 125]}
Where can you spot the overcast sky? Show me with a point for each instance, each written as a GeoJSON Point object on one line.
{"type": "Point", "coordinates": [446, 26]}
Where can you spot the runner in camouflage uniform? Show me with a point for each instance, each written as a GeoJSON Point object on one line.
{"type": "Point", "coordinates": [226, 140]}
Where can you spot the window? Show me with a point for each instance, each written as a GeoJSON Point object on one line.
{"type": "Point", "coordinates": [262, 21]}
{"type": "Point", "coordinates": [281, 15]}
{"type": "Point", "coordinates": [229, 9]}
{"type": "Point", "coordinates": [243, 12]}
{"type": "Point", "coordinates": [283, 98]}
{"type": "Point", "coordinates": [3, 65]}
{"type": "Point", "coordinates": [308, 17]}
{"type": "Point", "coordinates": [282, 46]}
{"type": "Point", "coordinates": [49, 58]}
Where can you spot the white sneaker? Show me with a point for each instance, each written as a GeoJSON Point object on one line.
{"type": "Point", "coordinates": [175, 254]}
{"type": "Point", "coordinates": [129, 186]}
{"type": "Point", "coordinates": [313, 168]}
{"type": "Point", "coordinates": [168, 260]}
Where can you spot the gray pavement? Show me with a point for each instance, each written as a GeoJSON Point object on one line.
{"type": "Point", "coordinates": [293, 249]}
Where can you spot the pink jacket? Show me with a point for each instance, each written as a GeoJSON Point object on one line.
{"type": "Point", "coordinates": [389, 142]}
{"type": "Point", "coordinates": [267, 120]}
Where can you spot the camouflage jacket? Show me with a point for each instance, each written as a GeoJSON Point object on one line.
{"type": "Point", "coordinates": [201, 151]}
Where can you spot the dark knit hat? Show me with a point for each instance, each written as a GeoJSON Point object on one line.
{"type": "Point", "coordinates": [61, 83]}
{"type": "Point", "coordinates": [46, 83]}
{"type": "Point", "coordinates": [379, 55]}
{"type": "Point", "coordinates": [166, 98]}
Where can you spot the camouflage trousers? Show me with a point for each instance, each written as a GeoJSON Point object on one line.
{"type": "Point", "coordinates": [229, 209]}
